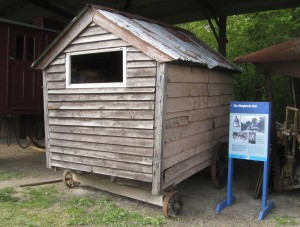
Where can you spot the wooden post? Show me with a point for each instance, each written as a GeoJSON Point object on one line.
{"type": "Point", "coordinates": [274, 151]}
{"type": "Point", "coordinates": [222, 35]}
{"type": "Point", "coordinates": [46, 119]}
{"type": "Point", "coordinates": [159, 126]}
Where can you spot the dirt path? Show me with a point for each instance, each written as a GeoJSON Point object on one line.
{"type": "Point", "coordinates": [199, 196]}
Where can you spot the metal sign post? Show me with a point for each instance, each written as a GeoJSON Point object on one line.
{"type": "Point", "coordinates": [249, 139]}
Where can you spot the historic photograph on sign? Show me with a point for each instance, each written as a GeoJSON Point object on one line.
{"type": "Point", "coordinates": [253, 124]}
{"type": "Point", "coordinates": [236, 121]}
{"type": "Point", "coordinates": [240, 136]}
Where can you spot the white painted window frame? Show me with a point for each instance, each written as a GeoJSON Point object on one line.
{"type": "Point", "coordinates": [94, 85]}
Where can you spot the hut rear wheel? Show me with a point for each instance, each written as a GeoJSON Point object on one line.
{"type": "Point", "coordinates": [68, 179]}
{"type": "Point", "coordinates": [172, 204]}
{"type": "Point", "coordinates": [219, 165]}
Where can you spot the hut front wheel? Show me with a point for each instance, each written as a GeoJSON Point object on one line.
{"type": "Point", "coordinates": [68, 179]}
{"type": "Point", "coordinates": [172, 204]}
{"type": "Point", "coordinates": [219, 165]}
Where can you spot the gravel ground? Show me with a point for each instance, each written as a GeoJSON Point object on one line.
{"type": "Point", "coordinates": [199, 196]}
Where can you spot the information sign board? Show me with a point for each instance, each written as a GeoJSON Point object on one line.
{"type": "Point", "coordinates": [249, 130]}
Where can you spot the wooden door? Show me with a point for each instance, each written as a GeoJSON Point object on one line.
{"type": "Point", "coordinates": [25, 82]}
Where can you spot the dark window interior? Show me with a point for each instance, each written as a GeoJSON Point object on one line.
{"type": "Point", "coordinates": [30, 49]}
{"type": "Point", "coordinates": [28, 43]}
{"type": "Point", "coordinates": [19, 47]}
{"type": "Point", "coordinates": [104, 67]}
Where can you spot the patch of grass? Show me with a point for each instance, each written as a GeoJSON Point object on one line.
{"type": "Point", "coordinates": [40, 197]}
{"type": "Point", "coordinates": [6, 195]}
{"type": "Point", "coordinates": [46, 206]}
{"type": "Point", "coordinates": [4, 176]}
{"type": "Point", "coordinates": [82, 201]}
{"type": "Point", "coordinates": [285, 220]}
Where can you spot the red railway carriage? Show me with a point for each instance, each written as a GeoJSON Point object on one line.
{"type": "Point", "coordinates": [21, 92]}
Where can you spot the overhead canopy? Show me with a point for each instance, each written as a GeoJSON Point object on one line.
{"type": "Point", "coordinates": [283, 58]}
{"type": "Point", "coordinates": [169, 11]}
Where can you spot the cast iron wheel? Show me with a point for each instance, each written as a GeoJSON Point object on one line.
{"type": "Point", "coordinates": [219, 165]}
{"type": "Point", "coordinates": [68, 179]}
{"type": "Point", "coordinates": [172, 204]}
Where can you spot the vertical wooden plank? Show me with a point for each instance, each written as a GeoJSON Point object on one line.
{"type": "Point", "coordinates": [159, 127]}
{"type": "Point", "coordinates": [46, 119]}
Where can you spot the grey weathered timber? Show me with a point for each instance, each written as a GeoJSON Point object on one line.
{"type": "Point", "coordinates": [154, 118]}
{"type": "Point", "coordinates": [159, 129]}
{"type": "Point", "coordinates": [46, 121]}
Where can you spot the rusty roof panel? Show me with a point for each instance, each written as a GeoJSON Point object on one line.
{"type": "Point", "coordinates": [281, 58]}
{"type": "Point", "coordinates": [178, 44]}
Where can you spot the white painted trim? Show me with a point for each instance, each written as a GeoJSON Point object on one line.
{"type": "Point", "coordinates": [94, 85]}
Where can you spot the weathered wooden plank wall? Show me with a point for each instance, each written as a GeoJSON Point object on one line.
{"type": "Point", "coordinates": [197, 118]}
{"type": "Point", "coordinates": [103, 130]}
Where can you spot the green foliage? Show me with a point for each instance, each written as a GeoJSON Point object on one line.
{"type": "Point", "coordinates": [249, 33]}
{"type": "Point", "coordinates": [4, 176]}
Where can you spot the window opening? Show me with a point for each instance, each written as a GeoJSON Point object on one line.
{"type": "Point", "coordinates": [100, 67]}
{"type": "Point", "coordinates": [19, 52]}
{"type": "Point", "coordinates": [30, 49]}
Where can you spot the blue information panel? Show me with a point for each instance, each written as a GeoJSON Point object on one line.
{"type": "Point", "coordinates": [249, 130]}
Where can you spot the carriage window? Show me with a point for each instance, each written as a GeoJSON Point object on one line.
{"type": "Point", "coordinates": [19, 47]}
{"type": "Point", "coordinates": [30, 49]}
{"type": "Point", "coordinates": [93, 69]}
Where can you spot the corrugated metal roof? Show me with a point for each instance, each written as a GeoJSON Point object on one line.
{"type": "Point", "coordinates": [281, 58]}
{"type": "Point", "coordinates": [178, 44]}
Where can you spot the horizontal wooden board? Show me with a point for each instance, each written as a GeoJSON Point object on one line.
{"type": "Point", "coordinates": [141, 72]}
{"type": "Point", "coordinates": [116, 105]}
{"type": "Point", "coordinates": [139, 151]}
{"type": "Point", "coordinates": [221, 121]}
{"type": "Point", "coordinates": [101, 163]}
{"type": "Point", "coordinates": [96, 45]}
{"type": "Point", "coordinates": [115, 90]}
{"type": "Point", "coordinates": [175, 159]}
{"type": "Point", "coordinates": [186, 103]}
{"type": "Point", "coordinates": [56, 68]}
{"type": "Point", "coordinates": [175, 147]}
{"type": "Point", "coordinates": [101, 170]}
{"type": "Point", "coordinates": [141, 64]}
{"type": "Point", "coordinates": [201, 114]}
{"type": "Point", "coordinates": [102, 155]}
{"type": "Point", "coordinates": [135, 142]}
{"type": "Point", "coordinates": [58, 61]}
{"type": "Point", "coordinates": [186, 89]}
{"type": "Point", "coordinates": [184, 74]}
{"type": "Point", "coordinates": [132, 49]}
{"type": "Point", "coordinates": [184, 165]}
{"type": "Point", "coordinates": [177, 121]}
{"type": "Point", "coordinates": [185, 174]}
{"type": "Point", "coordinates": [137, 56]}
{"type": "Point", "coordinates": [219, 89]}
{"type": "Point", "coordinates": [141, 82]}
{"type": "Point", "coordinates": [180, 132]}
{"type": "Point", "coordinates": [103, 114]}
{"type": "Point", "coordinates": [136, 124]}
{"type": "Point", "coordinates": [56, 77]}
{"type": "Point", "coordinates": [93, 30]}
{"type": "Point", "coordinates": [221, 100]}
{"type": "Point", "coordinates": [94, 38]}
{"type": "Point", "coordinates": [219, 77]}
{"type": "Point", "coordinates": [134, 133]}
{"type": "Point", "coordinates": [102, 97]}
{"type": "Point", "coordinates": [56, 85]}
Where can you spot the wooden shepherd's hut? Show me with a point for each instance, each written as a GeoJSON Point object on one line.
{"type": "Point", "coordinates": [131, 98]}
